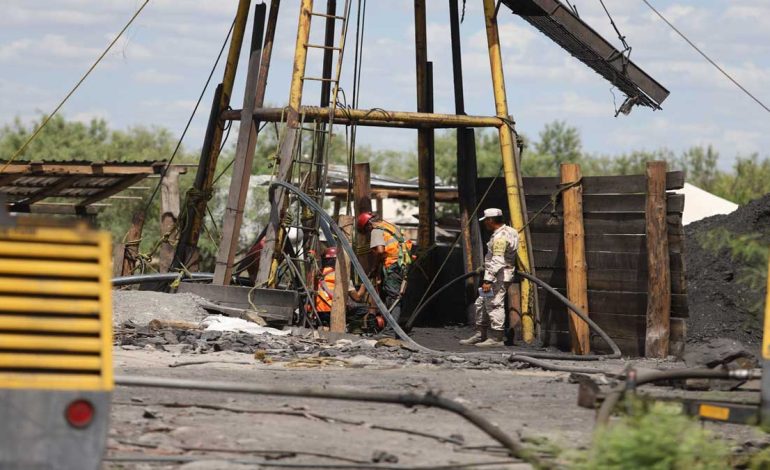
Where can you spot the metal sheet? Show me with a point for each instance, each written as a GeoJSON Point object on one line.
{"type": "Point", "coordinates": [562, 26]}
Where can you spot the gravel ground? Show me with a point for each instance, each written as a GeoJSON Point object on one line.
{"type": "Point", "coordinates": [143, 306]}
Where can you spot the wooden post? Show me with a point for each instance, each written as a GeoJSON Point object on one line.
{"type": "Point", "coordinates": [132, 238]}
{"type": "Point", "coordinates": [256, 82]}
{"type": "Point", "coordinates": [575, 256]}
{"type": "Point", "coordinates": [658, 265]}
{"type": "Point", "coordinates": [342, 280]}
{"type": "Point", "coordinates": [362, 195]}
{"type": "Point", "coordinates": [169, 214]}
{"type": "Point", "coordinates": [337, 207]}
{"type": "Point", "coordinates": [378, 208]}
{"type": "Point", "coordinates": [514, 307]}
{"type": "Point", "coordinates": [425, 164]}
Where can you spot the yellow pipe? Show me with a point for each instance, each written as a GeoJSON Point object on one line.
{"type": "Point", "coordinates": [510, 165]}
{"type": "Point", "coordinates": [292, 121]}
{"type": "Point", "coordinates": [49, 361]}
{"type": "Point", "coordinates": [49, 324]}
{"type": "Point", "coordinates": [239, 29]}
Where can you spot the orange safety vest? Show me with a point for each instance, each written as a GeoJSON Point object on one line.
{"type": "Point", "coordinates": [323, 299]}
{"type": "Point", "coordinates": [397, 250]}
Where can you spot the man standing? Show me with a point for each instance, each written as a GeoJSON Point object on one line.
{"type": "Point", "coordinates": [499, 264]}
{"type": "Point", "coordinates": [392, 257]}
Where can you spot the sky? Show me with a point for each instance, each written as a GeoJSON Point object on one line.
{"type": "Point", "coordinates": [155, 73]}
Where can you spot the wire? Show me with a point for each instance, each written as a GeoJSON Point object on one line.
{"type": "Point", "coordinates": [72, 91]}
{"type": "Point", "coordinates": [189, 121]}
{"type": "Point", "coordinates": [729, 77]}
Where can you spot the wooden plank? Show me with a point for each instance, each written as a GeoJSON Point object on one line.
{"type": "Point", "coordinates": [574, 254]}
{"type": "Point", "coordinates": [600, 223]}
{"type": "Point", "coordinates": [342, 280]}
{"type": "Point", "coordinates": [169, 214]}
{"type": "Point", "coordinates": [630, 347]}
{"type": "Point", "coordinates": [614, 243]}
{"type": "Point", "coordinates": [132, 238]}
{"type": "Point", "coordinates": [608, 203]}
{"type": "Point", "coordinates": [362, 197]}
{"type": "Point", "coordinates": [659, 285]}
{"type": "Point", "coordinates": [621, 184]}
{"type": "Point", "coordinates": [626, 303]}
{"type": "Point", "coordinates": [47, 191]}
{"type": "Point", "coordinates": [621, 280]}
{"type": "Point", "coordinates": [548, 259]}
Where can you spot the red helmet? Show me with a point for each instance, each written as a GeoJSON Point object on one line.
{"type": "Point", "coordinates": [330, 252]}
{"type": "Point", "coordinates": [362, 220]}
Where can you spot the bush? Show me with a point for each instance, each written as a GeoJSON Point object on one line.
{"type": "Point", "coordinates": [660, 438]}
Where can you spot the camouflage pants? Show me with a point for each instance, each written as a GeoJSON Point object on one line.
{"type": "Point", "coordinates": [490, 311]}
{"type": "Point", "coordinates": [391, 288]}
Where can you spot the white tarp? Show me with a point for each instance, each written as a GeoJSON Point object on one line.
{"type": "Point", "coordinates": [223, 323]}
{"type": "Point", "coordinates": [699, 204]}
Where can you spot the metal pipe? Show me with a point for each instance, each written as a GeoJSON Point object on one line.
{"type": "Point", "coordinates": [373, 117]}
{"type": "Point", "coordinates": [430, 399]}
{"type": "Point", "coordinates": [510, 165]}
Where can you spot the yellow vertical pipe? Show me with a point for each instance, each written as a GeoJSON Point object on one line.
{"type": "Point", "coordinates": [292, 121]}
{"type": "Point", "coordinates": [510, 165]}
{"type": "Point", "coordinates": [234, 52]}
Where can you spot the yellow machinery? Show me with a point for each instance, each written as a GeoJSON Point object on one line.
{"type": "Point", "coordinates": [55, 345]}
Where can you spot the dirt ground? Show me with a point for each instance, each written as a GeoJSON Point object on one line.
{"type": "Point", "coordinates": [527, 403]}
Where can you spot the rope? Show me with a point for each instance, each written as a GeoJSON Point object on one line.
{"type": "Point", "coordinates": [729, 77]}
{"type": "Point", "coordinates": [72, 91]}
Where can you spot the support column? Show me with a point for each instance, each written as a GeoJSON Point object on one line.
{"type": "Point", "coordinates": [575, 256]}
{"type": "Point", "coordinates": [658, 264]}
{"type": "Point", "coordinates": [268, 261]}
{"type": "Point", "coordinates": [362, 195]}
{"type": "Point", "coordinates": [425, 164]}
{"type": "Point", "coordinates": [256, 82]}
{"type": "Point", "coordinates": [131, 245]}
{"type": "Point", "coordinates": [511, 172]}
{"type": "Point", "coordinates": [197, 197]}
{"type": "Point", "coordinates": [466, 164]}
{"type": "Point", "coordinates": [169, 214]}
{"type": "Point", "coordinates": [337, 323]}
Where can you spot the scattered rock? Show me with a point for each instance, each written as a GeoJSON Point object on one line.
{"type": "Point", "coordinates": [381, 456]}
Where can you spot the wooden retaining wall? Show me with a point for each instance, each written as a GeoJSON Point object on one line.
{"type": "Point", "coordinates": [616, 256]}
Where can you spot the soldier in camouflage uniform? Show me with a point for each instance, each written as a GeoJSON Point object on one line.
{"type": "Point", "coordinates": [499, 264]}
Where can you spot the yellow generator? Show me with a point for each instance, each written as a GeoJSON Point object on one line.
{"type": "Point", "coordinates": [55, 345]}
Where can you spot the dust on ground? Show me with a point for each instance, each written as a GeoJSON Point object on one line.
{"type": "Point", "coordinates": [143, 306]}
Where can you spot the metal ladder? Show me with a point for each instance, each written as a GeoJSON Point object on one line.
{"type": "Point", "coordinates": [309, 172]}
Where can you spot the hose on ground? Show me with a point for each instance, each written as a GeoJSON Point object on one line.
{"type": "Point", "coordinates": [529, 358]}
{"type": "Point", "coordinates": [430, 399]}
{"type": "Point", "coordinates": [635, 379]}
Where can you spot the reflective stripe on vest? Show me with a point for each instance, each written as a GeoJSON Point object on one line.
{"type": "Point", "coordinates": [323, 299]}
{"type": "Point", "coordinates": [395, 251]}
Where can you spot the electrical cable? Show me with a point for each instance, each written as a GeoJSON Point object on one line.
{"type": "Point", "coordinates": [72, 91]}
{"type": "Point", "coordinates": [190, 119]}
{"type": "Point", "coordinates": [712, 62]}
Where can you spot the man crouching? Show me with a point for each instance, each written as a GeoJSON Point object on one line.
{"type": "Point", "coordinates": [499, 264]}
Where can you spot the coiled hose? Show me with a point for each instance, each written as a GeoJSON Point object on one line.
{"type": "Point", "coordinates": [528, 358]}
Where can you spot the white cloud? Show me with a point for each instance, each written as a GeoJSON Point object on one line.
{"type": "Point", "coordinates": [89, 115]}
{"type": "Point", "coordinates": [154, 76]}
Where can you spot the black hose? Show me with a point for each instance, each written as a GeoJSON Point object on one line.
{"type": "Point", "coordinates": [616, 353]}
{"type": "Point", "coordinates": [165, 277]}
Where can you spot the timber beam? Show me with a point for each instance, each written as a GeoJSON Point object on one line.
{"type": "Point", "coordinates": [373, 117]}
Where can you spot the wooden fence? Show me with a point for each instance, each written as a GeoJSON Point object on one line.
{"type": "Point", "coordinates": [616, 256]}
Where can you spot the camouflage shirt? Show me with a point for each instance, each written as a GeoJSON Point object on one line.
{"type": "Point", "coordinates": [501, 254]}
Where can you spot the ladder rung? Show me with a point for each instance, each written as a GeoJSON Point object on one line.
{"type": "Point", "coordinates": [319, 79]}
{"type": "Point", "coordinates": [321, 46]}
{"type": "Point", "coordinates": [324, 15]}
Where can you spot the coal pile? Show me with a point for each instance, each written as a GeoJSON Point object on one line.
{"type": "Point", "coordinates": [721, 305]}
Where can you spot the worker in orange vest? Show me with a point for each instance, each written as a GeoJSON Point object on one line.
{"type": "Point", "coordinates": [392, 255]}
{"type": "Point", "coordinates": [325, 285]}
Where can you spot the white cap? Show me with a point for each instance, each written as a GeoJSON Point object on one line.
{"type": "Point", "coordinates": [491, 212]}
